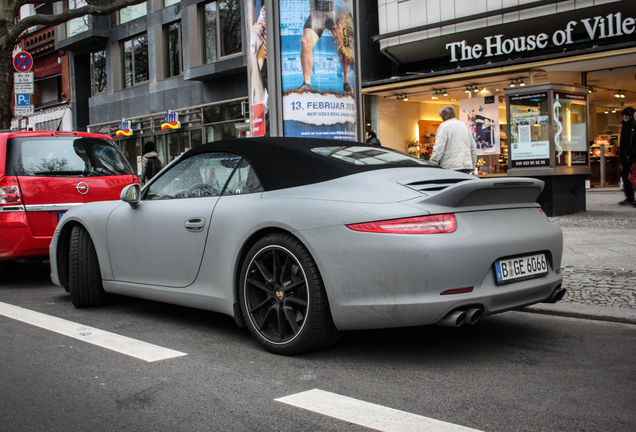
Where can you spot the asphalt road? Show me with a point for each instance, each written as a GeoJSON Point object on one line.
{"type": "Point", "coordinates": [512, 372]}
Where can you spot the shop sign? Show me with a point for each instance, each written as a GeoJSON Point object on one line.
{"type": "Point", "coordinates": [125, 128]}
{"type": "Point", "coordinates": [574, 32]}
{"type": "Point", "coordinates": [48, 65]}
{"type": "Point", "coordinates": [171, 121]}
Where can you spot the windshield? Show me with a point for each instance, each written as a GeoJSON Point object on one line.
{"type": "Point", "coordinates": [369, 156]}
{"type": "Point", "coordinates": [67, 157]}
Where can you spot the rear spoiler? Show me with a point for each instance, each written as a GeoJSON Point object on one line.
{"type": "Point", "coordinates": [488, 192]}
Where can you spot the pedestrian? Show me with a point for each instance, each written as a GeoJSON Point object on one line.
{"type": "Point", "coordinates": [455, 148]}
{"type": "Point", "coordinates": [627, 139]}
{"type": "Point", "coordinates": [372, 138]}
{"type": "Point", "coordinates": [150, 163]}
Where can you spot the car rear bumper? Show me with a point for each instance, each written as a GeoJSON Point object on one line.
{"type": "Point", "coordinates": [398, 280]}
{"type": "Point", "coordinates": [17, 241]}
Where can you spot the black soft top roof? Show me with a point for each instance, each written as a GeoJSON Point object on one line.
{"type": "Point", "coordinates": [288, 162]}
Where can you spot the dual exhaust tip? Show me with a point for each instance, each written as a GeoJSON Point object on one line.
{"type": "Point", "coordinates": [472, 315]}
{"type": "Point", "coordinates": [459, 317]}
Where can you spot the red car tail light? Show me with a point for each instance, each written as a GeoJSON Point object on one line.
{"type": "Point", "coordinates": [9, 191]}
{"type": "Point", "coordinates": [436, 224]}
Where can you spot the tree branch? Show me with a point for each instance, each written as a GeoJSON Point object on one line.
{"type": "Point", "coordinates": [51, 20]}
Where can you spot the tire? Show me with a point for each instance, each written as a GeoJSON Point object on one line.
{"type": "Point", "coordinates": [283, 298]}
{"type": "Point", "coordinates": [84, 277]}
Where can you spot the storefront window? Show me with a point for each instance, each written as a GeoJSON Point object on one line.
{"type": "Point", "coordinates": [529, 131]}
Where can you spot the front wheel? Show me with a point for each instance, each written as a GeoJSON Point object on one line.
{"type": "Point", "coordinates": [84, 277]}
{"type": "Point", "coordinates": [283, 298]}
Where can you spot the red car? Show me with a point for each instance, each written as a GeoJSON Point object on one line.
{"type": "Point", "coordinates": [43, 174]}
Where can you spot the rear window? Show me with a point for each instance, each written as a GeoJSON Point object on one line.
{"type": "Point", "coordinates": [65, 156]}
{"type": "Point", "coordinates": [369, 156]}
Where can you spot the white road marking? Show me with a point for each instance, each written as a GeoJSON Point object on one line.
{"type": "Point", "coordinates": [367, 414]}
{"type": "Point", "coordinates": [121, 344]}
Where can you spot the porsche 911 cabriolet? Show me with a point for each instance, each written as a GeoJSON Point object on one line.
{"type": "Point", "coordinates": [300, 239]}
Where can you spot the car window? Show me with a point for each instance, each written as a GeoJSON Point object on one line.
{"type": "Point", "coordinates": [369, 156]}
{"type": "Point", "coordinates": [66, 157]}
{"type": "Point", "coordinates": [243, 181]}
{"type": "Point", "coordinates": [202, 175]}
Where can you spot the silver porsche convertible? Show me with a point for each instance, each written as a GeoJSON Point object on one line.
{"type": "Point", "coordinates": [299, 239]}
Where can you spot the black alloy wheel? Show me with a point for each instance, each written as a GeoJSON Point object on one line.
{"type": "Point", "coordinates": [283, 298]}
{"type": "Point", "coordinates": [84, 276]}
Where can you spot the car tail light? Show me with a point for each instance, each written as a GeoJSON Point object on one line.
{"type": "Point", "coordinates": [543, 213]}
{"type": "Point", "coordinates": [436, 224]}
{"type": "Point", "coordinates": [9, 191]}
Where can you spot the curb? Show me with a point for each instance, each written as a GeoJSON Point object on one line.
{"type": "Point", "coordinates": [583, 311]}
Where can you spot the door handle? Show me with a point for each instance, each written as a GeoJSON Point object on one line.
{"type": "Point", "coordinates": [195, 224]}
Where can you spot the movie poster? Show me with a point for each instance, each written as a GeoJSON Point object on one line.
{"type": "Point", "coordinates": [481, 114]}
{"type": "Point", "coordinates": [318, 74]}
{"type": "Point", "coordinates": [257, 67]}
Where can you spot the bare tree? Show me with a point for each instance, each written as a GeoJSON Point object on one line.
{"type": "Point", "coordinates": [11, 28]}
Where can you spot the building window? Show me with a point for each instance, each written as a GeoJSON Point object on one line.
{"type": "Point", "coordinates": [76, 25]}
{"type": "Point", "coordinates": [167, 3]}
{"type": "Point", "coordinates": [98, 72]}
{"type": "Point", "coordinates": [136, 61]}
{"type": "Point", "coordinates": [173, 48]}
{"type": "Point", "coordinates": [132, 12]}
{"type": "Point", "coordinates": [222, 29]}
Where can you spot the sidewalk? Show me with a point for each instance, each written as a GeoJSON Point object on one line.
{"type": "Point", "coordinates": [599, 260]}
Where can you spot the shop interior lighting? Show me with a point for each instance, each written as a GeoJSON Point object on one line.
{"type": "Point", "coordinates": [619, 94]}
{"type": "Point", "coordinates": [606, 111]}
{"type": "Point", "coordinates": [471, 88]}
{"type": "Point", "coordinates": [614, 110]}
{"type": "Point", "coordinates": [402, 97]}
{"type": "Point", "coordinates": [517, 82]}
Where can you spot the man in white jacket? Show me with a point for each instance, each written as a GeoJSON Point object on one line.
{"type": "Point", "coordinates": [455, 147]}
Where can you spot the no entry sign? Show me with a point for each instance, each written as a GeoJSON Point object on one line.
{"type": "Point", "coordinates": [23, 62]}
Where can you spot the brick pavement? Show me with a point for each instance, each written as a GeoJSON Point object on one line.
{"type": "Point", "coordinates": [600, 251]}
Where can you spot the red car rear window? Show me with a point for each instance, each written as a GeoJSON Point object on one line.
{"type": "Point", "coordinates": [66, 157]}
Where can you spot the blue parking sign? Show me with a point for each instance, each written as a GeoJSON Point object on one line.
{"type": "Point", "coordinates": [23, 99]}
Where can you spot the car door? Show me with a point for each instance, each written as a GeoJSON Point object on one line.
{"type": "Point", "coordinates": [162, 240]}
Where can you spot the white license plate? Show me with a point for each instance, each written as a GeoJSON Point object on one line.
{"type": "Point", "coordinates": [526, 267]}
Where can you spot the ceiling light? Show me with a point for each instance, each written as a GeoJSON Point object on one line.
{"type": "Point", "coordinates": [445, 92]}
{"type": "Point", "coordinates": [606, 111]}
{"type": "Point", "coordinates": [434, 97]}
{"type": "Point", "coordinates": [467, 90]}
{"type": "Point", "coordinates": [619, 94]}
{"type": "Point", "coordinates": [405, 98]}
{"type": "Point", "coordinates": [517, 82]}
{"type": "Point", "coordinates": [614, 110]}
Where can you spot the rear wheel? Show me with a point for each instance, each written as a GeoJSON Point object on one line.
{"type": "Point", "coordinates": [283, 298]}
{"type": "Point", "coordinates": [84, 277]}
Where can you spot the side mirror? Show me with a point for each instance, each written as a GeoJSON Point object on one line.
{"type": "Point", "coordinates": [131, 194]}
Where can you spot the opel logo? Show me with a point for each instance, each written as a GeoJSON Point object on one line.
{"type": "Point", "coordinates": [279, 295]}
{"type": "Point", "coordinates": [82, 188]}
